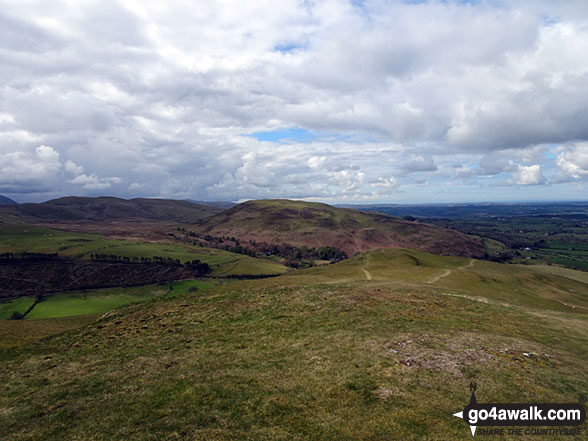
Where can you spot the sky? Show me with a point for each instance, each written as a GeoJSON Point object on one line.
{"type": "Point", "coordinates": [339, 101]}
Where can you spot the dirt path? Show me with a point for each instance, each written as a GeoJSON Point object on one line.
{"type": "Point", "coordinates": [354, 237]}
{"type": "Point", "coordinates": [448, 271]}
{"type": "Point", "coordinates": [368, 276]}
{"type": "Point", "coordinates": [440, 276]}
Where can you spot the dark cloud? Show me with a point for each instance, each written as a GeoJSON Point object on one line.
{"type": "Point", "coordinates": [420, 164]}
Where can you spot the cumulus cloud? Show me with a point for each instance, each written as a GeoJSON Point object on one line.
{"type": "Point", "coordinates": [573, 162]}
{"type": "Point", "coordinates": [526, 175]}
{"type": "Point", "coordinates": [387, 183]}
{"type": "Point", "coordinates": [29, 171]}
{"type": "Point", "coordinates": [316, 162]}
{"type": "Point", "coordinates": [72, 168]}
{"type": "Point", "coordinates": [93, 182]}
{"type": "Point", "coordinates": [167, 96]}
{"type": "Point", "coordinates": [348, 179]}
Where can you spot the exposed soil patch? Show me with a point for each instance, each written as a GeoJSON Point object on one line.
{"type": "Point", "coordinates": [456, 353]}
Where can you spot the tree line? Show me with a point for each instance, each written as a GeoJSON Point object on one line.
{"type": "Point", "coordinates": [296, 257]}
{"type": "Point", "coordinates": [195, 265]}
{"type": "Point", "coordinates": [28, 256]}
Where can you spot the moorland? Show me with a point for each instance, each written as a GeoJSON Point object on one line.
{"type": "Point", "coordinates": [311, 322]}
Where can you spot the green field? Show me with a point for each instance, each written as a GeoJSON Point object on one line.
{"type": "Point", "coordinates": [382, 346]}
{"type": "Point", "coordinates": [571, 255]}
{"type": "Point", "coordinates": [80, 246]}
{"type": "Point", "coordinates": [543, 233]}
{"type": "Point", "coordinates": [96, 301]}
{"type": "Point", "coordinates": [21, 305]}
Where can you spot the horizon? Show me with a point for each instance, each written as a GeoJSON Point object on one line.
{"type": "Point", "coordinates": [341, 204]}
{"type": "Point", "coordinates": [339, 101]}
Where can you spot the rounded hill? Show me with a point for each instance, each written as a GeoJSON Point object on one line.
{"type": "Point", "coordinates": [313, 224]}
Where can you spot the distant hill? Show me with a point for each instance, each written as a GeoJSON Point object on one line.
{"type": "Point", "coordinates": [218, 204]}
{"type": "Point", "coordinates": [6, 201]}
{"type": "Point", "coordinates": [313, 224]}
{"type": "Point", "coordinates": [76, 209]}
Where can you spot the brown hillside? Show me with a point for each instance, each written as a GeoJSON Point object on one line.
{"type": "Point", "coordinates": [312, 224]}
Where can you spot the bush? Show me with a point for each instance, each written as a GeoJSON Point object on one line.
{"type": "Point", "coordinates": [16, 316]}
{"type": "Point", "coordinates": [193, 289]}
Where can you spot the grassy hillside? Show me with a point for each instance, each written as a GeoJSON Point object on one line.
{"type": "Point", "coordinates": [554, 233]}
{"type": "Point", "coordinates": [312, 224]}
{"type": "Point", "coordinates": [27, 238]}
{"type": "Point", "coordinates": [382, 346]}
{"type": "Point", "coordinates": [101, 209]}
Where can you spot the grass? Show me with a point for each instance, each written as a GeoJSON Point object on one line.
{"type": "Point", "coordinates": [21, 305]}
{"type": "Point", "coordinates": [26, 238]}
{"type": "Point", "coordinates": [99, 301]}
{"type": "Point", "coordinates": [15, 333]}
{"type": "Point", "coordinates": [66, 311]}
{"type": "Point", "coordinates": [318, 354]}
{"type": "Point", "coordinates": [581, 276]}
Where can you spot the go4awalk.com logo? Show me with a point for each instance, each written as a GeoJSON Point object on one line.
{"type": "Point", "coordinates": [557, 419]}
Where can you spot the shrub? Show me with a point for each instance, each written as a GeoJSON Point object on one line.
{"type": "Point", "coordinates": [16, 316]}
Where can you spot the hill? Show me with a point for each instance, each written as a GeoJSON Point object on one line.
{"type": "Point", "coordinates": [313, 224]}
{"type": "Point", "coordinates": [6, 201]}
{"type": "Point", "coordinates": [381, 346]}
{"type": "Point", "coordinates": [553, 233]}
{"type": "Point", "coordinates": [217, 204]}
{"type": "Point", "coordinates": [101, 209]}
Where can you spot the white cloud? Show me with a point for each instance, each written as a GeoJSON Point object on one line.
{"type": "Point", "coordinates": [166, 94]}
{"type": "Point", "coordinates": [26, 171]}
{"type": "Point", "coordinates": [573, 163]}
{"type": "Point", "coordinates": [72, 168]}
{"type": "Point", "coordinates": [93, 182]}
{"type": "Point", "coordinates": [348, 180]}
{"type": "Point", "coordinates": [388, 183]}
{"type": "Point", "coordinates": [526, 175]}
{"type": "Point", "coordinates": [316, 162]}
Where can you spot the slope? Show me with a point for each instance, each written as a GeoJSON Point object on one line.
{"type": "Point", "coordinates": [104, 209]}
{"type": "Point", "coordinates": [80, 247]}
{"type": "Point", "coordinates": [6, 201]}
{"type": "Point", "coordinates": [319, 354]}
{"type": "Point", "coordinates": [312, 224]}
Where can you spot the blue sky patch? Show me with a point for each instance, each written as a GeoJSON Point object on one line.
{"type": "Point", "coordinates": [294, 134]}
{"type": "Point", "coordinates": [286, 48]}
{"type": "Point", "coordinates": [303, 136]}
